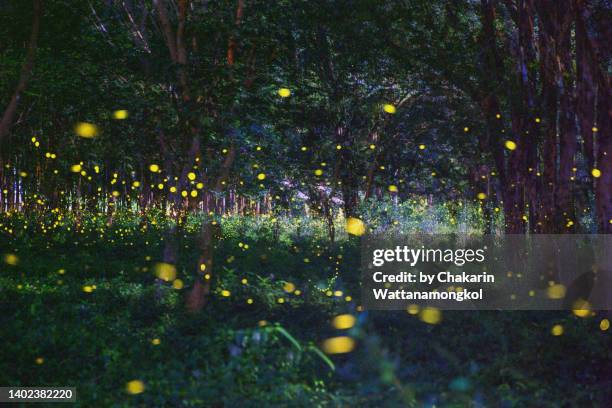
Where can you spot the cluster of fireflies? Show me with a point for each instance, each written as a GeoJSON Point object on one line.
{"type": "Point", "coordinates": [285, 293]}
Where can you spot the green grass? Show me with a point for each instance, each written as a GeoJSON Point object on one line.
{"type": "Point", "coordinates": [265, 353]}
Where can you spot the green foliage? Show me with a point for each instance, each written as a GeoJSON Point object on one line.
{"type": "Point", "coordinates": [267, 352]}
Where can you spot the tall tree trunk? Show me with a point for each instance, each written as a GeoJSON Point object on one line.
{"type": "Point", "coordinates": [549, 75]}
{"type": "Point", "coordinates": [603, 189]}
{"type": "Point", "coordinates": [26, 71]}
{"type": "Point", "coordinates": [530, 132]}
{"type": "Point", "coordinates": [585, 88]}
{"type": "Point", "coordinates": [599, 58]}
{"type": "Point", "coordinates": [564, 208]}
{"type": "Point", "coordinates": [199, 294]}
{"type": "Point", "coordinates": [346, 173]}
{"type": "Point", "coordinates": [510, 172]}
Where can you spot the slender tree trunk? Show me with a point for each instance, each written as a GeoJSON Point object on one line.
{"type": "Point", "coordinates": [603, 188]}
{"type": "Point", "coordinates": [530, 132]}
{"type": "Point", "coordinates": [510, 171]}
{"type": "Point", "coordinates": [199, 293]}
{"type": "Point", "coordinates": [26, 71]}
{"type": "Point", "coordinates": [585, 89]}
{"type": "Point", "coordinates": [549, 75]}
{"type": "Point", "coordinates": [599, 58]}
{"type": "Point", "coordinates": [565, 217]}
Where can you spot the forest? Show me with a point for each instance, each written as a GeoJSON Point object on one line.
{"type": "Point", "coordinates": [185, 186]}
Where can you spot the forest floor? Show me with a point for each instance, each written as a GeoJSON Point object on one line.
{"type": "Point", "coordinates": [83, 309]}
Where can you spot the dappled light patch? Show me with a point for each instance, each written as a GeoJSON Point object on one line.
{"type": "Point", "coordinates": [355, 226]}
{"type": "Point", "coordinates": [556, 291]}
{"type": "Point", "coordinates": [284, 92]}
{"type": "Point", "coordinates": [430, 315]}
{"type": "Point", "coordinates": [165, 271]}
{"type": "Point", "coordinates": [344, 321]}
{"type": "Point", "coordinates": [10, 259]}
{"type": "Point", "coordinates": [557, 330]}
{"type": "Point", "coordinates": [134, 387]}
{"type": "Point", "coordinates": [120, 114]}
{"type": "Point", "coordinates": [389, 108]}
{"type": "Point", "coordinates": [86, 130]}
{"type": "Point", "coordinates": [581, 308]}
{"type": "Point", "coordinates": [510, 145]}
{"type": "Point", "coordinates": [338, 345]}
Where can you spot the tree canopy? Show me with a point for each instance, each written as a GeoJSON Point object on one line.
{"type": "Point", "coordinates": [433, 98]}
